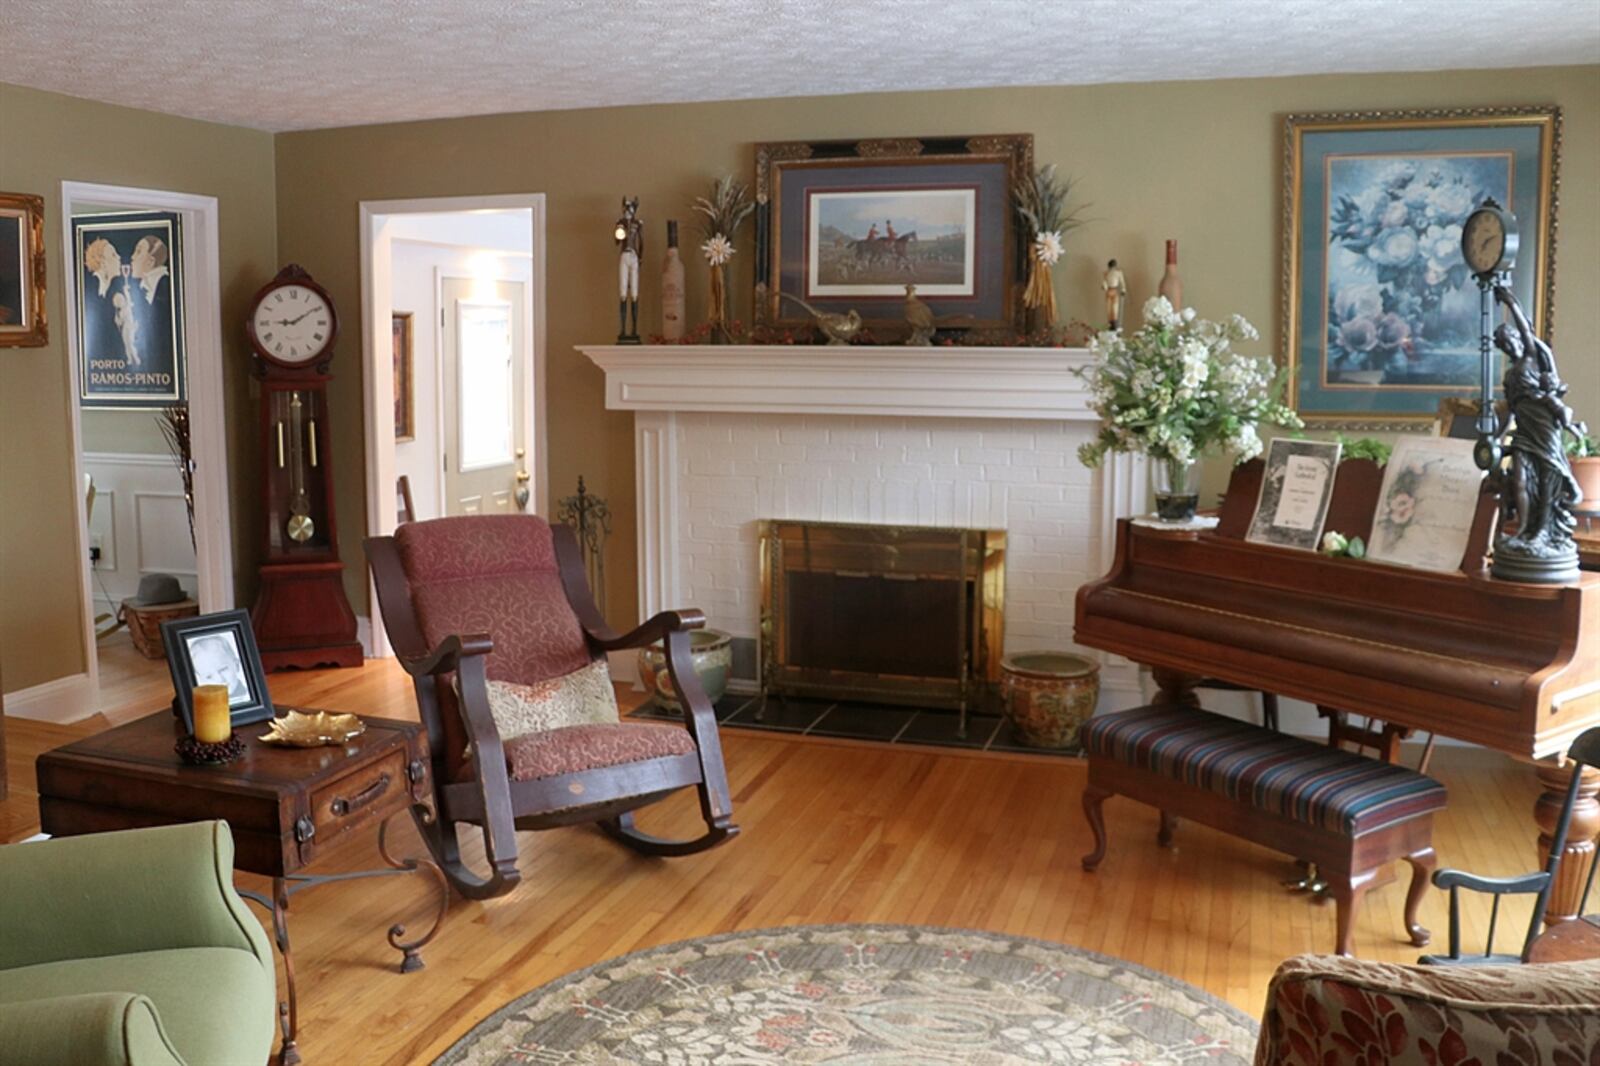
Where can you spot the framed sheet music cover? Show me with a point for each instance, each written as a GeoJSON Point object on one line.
{"type": "Point", "coordinates": [1427, 503]}
{"type": "Point", "coordinates": [1296, 487]}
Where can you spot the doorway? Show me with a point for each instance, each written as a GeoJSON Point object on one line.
{"type": "Point", "coordinates": [453, 309]}
{"type": "Point", "coordinates": [144, 343]}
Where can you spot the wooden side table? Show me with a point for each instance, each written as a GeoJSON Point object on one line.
{"type": "Point", "coordinates": [285, 807]}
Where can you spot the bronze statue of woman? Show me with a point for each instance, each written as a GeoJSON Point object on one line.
{"type": "Point", "coordinates": [1542, 488]}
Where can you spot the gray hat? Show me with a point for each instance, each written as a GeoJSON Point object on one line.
{"type": "Point", "coordinates": [156, 589]}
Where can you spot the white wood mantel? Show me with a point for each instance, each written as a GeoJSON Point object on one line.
{"type": "Point", "coordinates": [658, 382]}
{"type": "Point", "coordinates": [947, 382]}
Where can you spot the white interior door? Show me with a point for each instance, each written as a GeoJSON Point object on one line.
{"type": "Point", "coordinates": [484, 371]}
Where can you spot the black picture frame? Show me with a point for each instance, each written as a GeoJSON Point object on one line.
{"type": "Point", "coordinates": [793, 176]}
{"type": "Point", "coordinates": [129, 280]}
{"type": "Point", "coordinates": [231, 657]}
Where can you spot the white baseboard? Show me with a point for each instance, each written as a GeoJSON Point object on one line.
{"type": "Point", "coordinates": [62, 701]}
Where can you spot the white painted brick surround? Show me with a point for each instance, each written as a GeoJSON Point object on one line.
{"type": "Point", "coordinates": [725, 436]}
{"type": "Point", "coordinates": [1018, 475]}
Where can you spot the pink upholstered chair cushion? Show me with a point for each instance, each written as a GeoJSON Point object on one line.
{"type": "Point", "coordinates": [494, 574]}
{"type": "Point", "coordinates": [575, 748]}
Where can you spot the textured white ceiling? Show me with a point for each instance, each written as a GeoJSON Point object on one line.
{"type": "Point", "coordinates": [301, 64]}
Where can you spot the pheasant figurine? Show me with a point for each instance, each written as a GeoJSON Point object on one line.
{"type": "Point", "coordinates": [839, 329]}
{"type": "Point", "coordinates": [919, 316]}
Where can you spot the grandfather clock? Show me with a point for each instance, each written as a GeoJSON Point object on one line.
{"type": "Point", "coordinates": [301, 617]}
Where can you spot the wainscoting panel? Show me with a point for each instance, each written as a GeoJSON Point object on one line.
{"type": "Point", "coordinates": [139, 523]}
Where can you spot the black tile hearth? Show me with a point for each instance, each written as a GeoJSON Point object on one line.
{"type": "Point", "coordinates": [883, 723]}
{"type": "Point", "coordinates": [863, 721]}
{"type": "Point", "coordinates": [942, 728]}
{"type": "Point", "coordinates": [790, 715]}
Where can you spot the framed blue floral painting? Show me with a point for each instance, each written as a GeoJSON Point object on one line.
{"type": "Point", "coordinates": [1381, 318]}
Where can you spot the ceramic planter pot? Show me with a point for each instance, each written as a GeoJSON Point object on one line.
{"type": "Point", "coordinates": [1587, 471]}
{"type": "Point", "coordinates": [712, 653]}
{"type": "Point", "coordinates": [1048, 695]}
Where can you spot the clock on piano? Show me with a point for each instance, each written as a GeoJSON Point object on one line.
{"type": "Point", "coordinates": [301, 617]}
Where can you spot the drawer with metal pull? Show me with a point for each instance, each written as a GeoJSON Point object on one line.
{"type": "Point", "coordinates": [378, 789]}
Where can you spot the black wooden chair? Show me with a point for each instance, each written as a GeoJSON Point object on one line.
{"type": "Point", "coordinates": [1585, 751]}
{"type": "Point", "coordinates": [492, 617]}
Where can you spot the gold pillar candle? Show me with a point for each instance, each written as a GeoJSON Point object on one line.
{"type": "Point", "coordinates": [213, 722]}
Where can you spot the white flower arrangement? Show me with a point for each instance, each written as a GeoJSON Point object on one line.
{"type": "Point", "coordinates": [1047, 247]}
{"type": "Point", "coordinates": [1177, 389]}
{"type": "Point", "coordinates": [718, 250]}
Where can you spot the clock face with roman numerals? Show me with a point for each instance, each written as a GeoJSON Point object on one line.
{"type": "Point", "coordinates": [292, 324]}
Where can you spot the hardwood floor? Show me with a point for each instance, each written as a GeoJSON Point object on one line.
{"type": "Point", "coordinates": [834, 831]}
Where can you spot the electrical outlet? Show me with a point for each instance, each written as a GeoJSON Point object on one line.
{"type": "Point", "coordinates": [96, 546]}
{"type": "Point", "coordinates": [94, 554]}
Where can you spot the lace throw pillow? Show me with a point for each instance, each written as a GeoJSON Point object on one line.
{"type": "Point", "coordinates": [583, 697]}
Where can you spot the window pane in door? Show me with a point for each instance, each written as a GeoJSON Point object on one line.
{"type": "Point", "coordinates": [485, 384]}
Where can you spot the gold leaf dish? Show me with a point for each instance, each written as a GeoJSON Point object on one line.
{"type": "Point", "coordinates": [299, 730]}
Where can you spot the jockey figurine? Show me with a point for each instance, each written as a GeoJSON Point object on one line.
{"type": "Point", "coordinates": [889, 228]}
{"type": "Point", "coordinates": [872, 233]}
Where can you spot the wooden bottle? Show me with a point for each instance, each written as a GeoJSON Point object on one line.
{"type": "Point", "coordinates": [1172, 285]}
{"type": "Point", "coordinates": [672, 304]}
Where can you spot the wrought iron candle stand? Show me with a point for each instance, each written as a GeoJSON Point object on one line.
{"type": "Point", "coordinates": [590, 519]}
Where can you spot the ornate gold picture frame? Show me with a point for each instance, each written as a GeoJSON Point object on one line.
{"type": "Point", "coordinates": [1379, 312]}
{"type": "Point", "coordinates": [24, 317]}
{"type": "Point", "coordinates": [847, 225]}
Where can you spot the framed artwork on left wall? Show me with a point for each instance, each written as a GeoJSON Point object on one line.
{"type": "Point", "coordinates": [130, 277]}
{"type": "Point", "coordinates": [23, 316]}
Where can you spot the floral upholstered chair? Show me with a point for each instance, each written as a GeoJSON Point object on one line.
{"type": "Point", "coordinates": [1324, 1009]}
{"type": "Point", "coordinates": [492, 617]}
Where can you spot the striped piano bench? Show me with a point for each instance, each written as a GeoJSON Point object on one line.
{"type": "Point", "coordinates": [1347, 813]}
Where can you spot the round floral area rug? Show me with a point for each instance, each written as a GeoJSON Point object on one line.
{"type": "Point", "coordinates": [862, 995]}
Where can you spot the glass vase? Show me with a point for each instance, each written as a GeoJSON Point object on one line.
{"type": "Point", "coordinates": [1177, 488]}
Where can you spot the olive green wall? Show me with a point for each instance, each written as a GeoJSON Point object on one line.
{"type": "Point", "coordinates": [45, 139]}
{"type": "Point", "coordinates": [1197, 161]}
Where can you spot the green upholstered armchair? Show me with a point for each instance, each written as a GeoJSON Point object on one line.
{"type": "Point", "coordinates": [131, 948]}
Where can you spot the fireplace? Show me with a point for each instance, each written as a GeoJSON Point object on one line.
{"type": "Point", "coordinates": [883, 613]}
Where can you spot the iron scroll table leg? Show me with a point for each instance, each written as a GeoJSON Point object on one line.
{"type": "Point", "coordinates": [278, 907]}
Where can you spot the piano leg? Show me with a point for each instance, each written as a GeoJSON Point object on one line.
{"type": "Point", "coordinates": [1176, 687]}
{"type": "Point", "coordinates": [1567, 891]}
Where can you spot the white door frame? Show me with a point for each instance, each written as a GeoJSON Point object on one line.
{"type": "Point", "coordinates": [377, 284]}
{"type": "Point", "coordinates": [202, 324]}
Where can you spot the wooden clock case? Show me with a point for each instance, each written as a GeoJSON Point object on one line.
{"type": "Point", "coordinates": [302, 618]}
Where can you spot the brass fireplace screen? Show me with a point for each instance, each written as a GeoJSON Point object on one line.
{"type": "Point", "coordinates": [894, 614]}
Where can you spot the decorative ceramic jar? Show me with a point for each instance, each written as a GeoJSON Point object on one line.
{"type": "Point", "coordinates": [712, 653]}
{"type": "Point", "coordinates": [1176, 483]}
{"type": "Point", "coordinates": [1048, 695]}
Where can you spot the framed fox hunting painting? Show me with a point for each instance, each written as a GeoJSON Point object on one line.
{"type": "Point", "coordinates": [848, 225]}
{"type": "Point", "coordinates": [1380, 311]}
{"type": "Point", "coordinates": [23, 319]}
{"type": "Point", "coordinates": [129, 285]}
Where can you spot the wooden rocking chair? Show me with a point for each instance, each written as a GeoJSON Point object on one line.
{"type": "Point", "coordinates": [500, 603]}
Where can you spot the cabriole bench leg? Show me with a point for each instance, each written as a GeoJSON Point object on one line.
{"type": "Point", "coordinates": [1169, 824]}
{"type": "Point", "coordinates": [1422, 863]}
{"type": "Point", "coordinates": [1348, 889]}
{"type": "Point", "coordinates": [1093, 798]}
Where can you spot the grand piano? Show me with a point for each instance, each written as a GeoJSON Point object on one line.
{"type": "Point", "coordinates": [1510, 666]}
